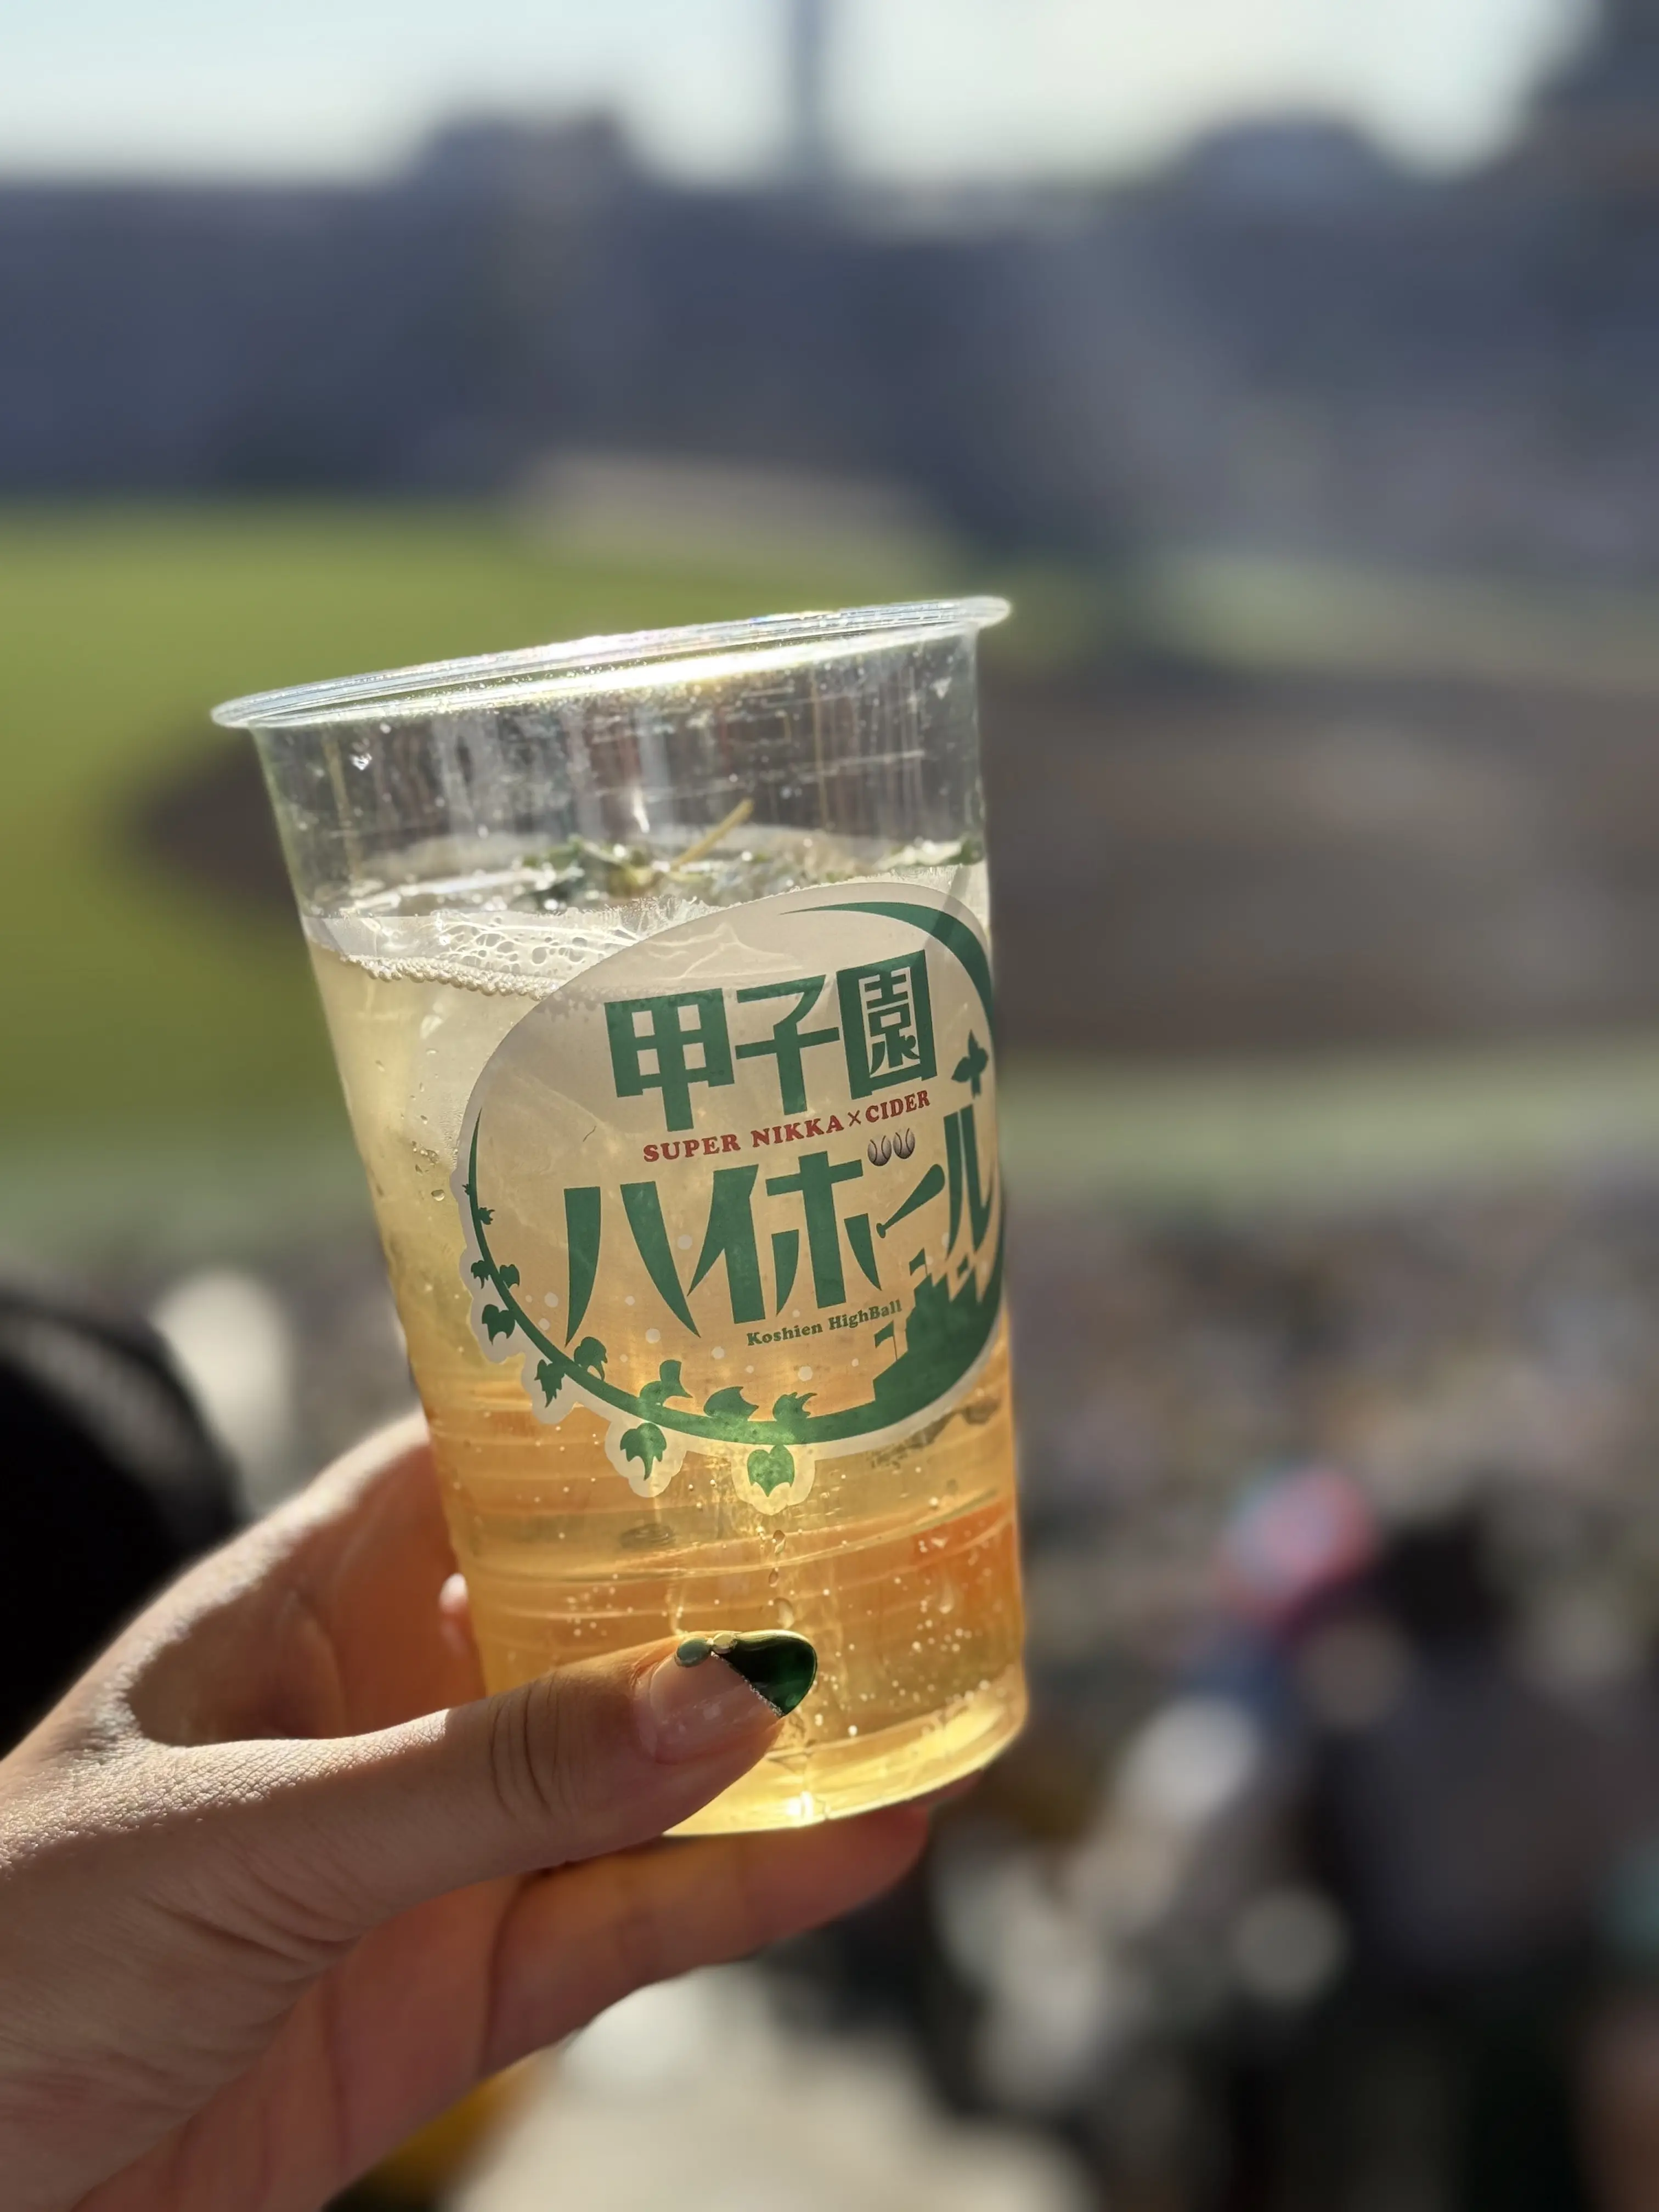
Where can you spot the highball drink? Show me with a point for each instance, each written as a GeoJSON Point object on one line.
{"type": "Point", "coordinates": [657, 973]}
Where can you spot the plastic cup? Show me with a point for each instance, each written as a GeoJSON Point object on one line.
{"type": "Point", "coordinates": [657, 972]}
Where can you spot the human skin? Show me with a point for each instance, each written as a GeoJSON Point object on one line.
{"type": "Point", "coordinates": [277, 1882]}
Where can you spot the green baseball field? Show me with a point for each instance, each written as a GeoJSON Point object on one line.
{"type": "Point", "coordinates": [164, 1077]}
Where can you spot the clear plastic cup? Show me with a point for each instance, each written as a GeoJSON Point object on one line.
{"type": "Point", "coordinates": [657, 972]}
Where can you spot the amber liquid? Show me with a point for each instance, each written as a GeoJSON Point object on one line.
{"type": "Point", "coordinates": [901, 1564]}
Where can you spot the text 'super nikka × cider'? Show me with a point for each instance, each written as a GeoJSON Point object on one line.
{"type": "Point", "coordinates": [658, 973]}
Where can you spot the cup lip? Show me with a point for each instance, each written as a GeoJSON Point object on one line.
{"type": "Point", "coordinates": [590, 664]}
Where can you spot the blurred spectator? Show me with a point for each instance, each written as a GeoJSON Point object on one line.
{"type": "Point", "coordinates": [111, 1483]}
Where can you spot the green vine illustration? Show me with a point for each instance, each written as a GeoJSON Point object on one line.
{"type": "Point", "coordinates": [771, 1468]}
{"type": "Point", "coordinates": [646, 1444]}
{"type": "Point", "coordinates": [668, 1384]}
{"type": "Point", "coordinates": [971, 1067]}
{"type": "Point", "coordinates": [730, 1405]}
{"type": "Point", "coordinates": [790, 1412]}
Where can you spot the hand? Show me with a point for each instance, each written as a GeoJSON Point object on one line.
{"type": "Point", "coordinates": [274, 1878]}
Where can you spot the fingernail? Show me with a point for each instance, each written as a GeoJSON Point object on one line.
{"type": "Point", "coordinates": [780, 1666]}
{"type": "Point", "coordinates": [718, 1687]}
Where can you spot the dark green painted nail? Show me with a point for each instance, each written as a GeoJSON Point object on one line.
{"type": "Point", "coordinates": [780, 1667]}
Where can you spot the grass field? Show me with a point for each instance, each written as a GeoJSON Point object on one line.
{"type": "Point", "coordinates": [133, 1004]}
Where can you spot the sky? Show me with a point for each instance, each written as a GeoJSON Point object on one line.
{"type": "Point", "coordinates": [922, 92]}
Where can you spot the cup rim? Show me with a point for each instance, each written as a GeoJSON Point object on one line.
{"type": "Point", "coordinates": [633, 659]}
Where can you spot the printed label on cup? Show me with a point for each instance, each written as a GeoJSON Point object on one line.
{"type": "Point", "coordinates": [735, 1189]}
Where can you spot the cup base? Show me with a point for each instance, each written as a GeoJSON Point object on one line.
{"type": "Point", "coordinates": [798, 1789]}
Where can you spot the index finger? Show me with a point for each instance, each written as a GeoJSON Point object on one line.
{"type": "Point", "coordinates": [575, 1940]}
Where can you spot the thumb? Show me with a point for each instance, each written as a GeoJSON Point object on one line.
{"type": "Point", "coordinates": [595, 1757]}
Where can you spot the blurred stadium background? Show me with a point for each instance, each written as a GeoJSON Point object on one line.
{"type": "Point", "coordinates": [1302, 390]}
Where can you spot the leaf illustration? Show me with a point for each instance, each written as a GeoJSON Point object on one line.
{"type": "Point", "coordinates": [481, 1271]}
{"type": "Point", "coordinates": [506, 1277]}
{"type": "Point", "coordinates": [770, 1469]}
{"type": "Point", "coordinates": [729, 1404]}
{"type": "Point", "coordinates": [971, 1067]}
{"type": "Point", "coordinates": [647, 1443]}
{"type": "Point", "coordinates": [591, 1355]}
{"type": "Point", "coordinates": [549, 1375]}
{"type": "Point", "coordinates": [485, 1215]}
{"type": "Point", "coordinates": [498, 1321]}
{"type": "Point", "coordinates": [667, 1385]}
{"type": "Point", "coordinates": [790, 1411]}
